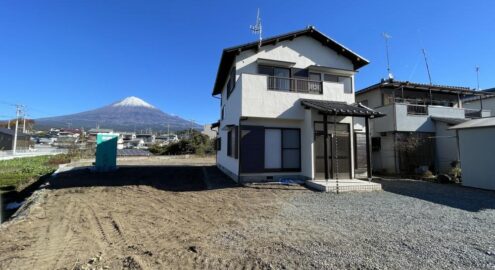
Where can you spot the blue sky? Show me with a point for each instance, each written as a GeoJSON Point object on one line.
{"type": "Point", "coordinates": [60, 57]}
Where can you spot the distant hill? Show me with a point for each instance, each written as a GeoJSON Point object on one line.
{"type": "Point", "coordinates": [129, 114]}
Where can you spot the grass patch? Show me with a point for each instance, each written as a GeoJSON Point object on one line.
{"type": "Point", "coordinates": [19, 171]}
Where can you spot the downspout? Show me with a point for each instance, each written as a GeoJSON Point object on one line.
{"type": "Point", "coordinates": [336, 152]}
{"type": "Point", "coordinates": [238, 136]}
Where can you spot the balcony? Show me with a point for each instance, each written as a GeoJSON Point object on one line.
{"type": "Point", "coordinates": [413, 109]}
{"type": "Point", "coordinates": [266, 97]}
{"type": "Point", "coordinates": [295, 85]}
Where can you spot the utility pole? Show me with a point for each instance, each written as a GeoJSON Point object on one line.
{"type": "Point", "coordinates": [8, 125]}
{"type": "Point", "coordinates": [18, 110]}
{"type": "Point", "coordinates": [478, 77]}
{"type": "Point", "coordinates": [24, 123]}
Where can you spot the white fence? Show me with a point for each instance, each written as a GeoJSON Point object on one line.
{"type": "Point", "coordinates": [9, 154]}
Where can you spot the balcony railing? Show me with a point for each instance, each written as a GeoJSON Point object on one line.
{"type": "Point", "coordinates": [295, 85]}
{"type": "Point", "coordinates": [417, 109]}
{"type": "Point", "coordinates": [473, 113]}
{"type": "Point", "coordinates": [420, 101]}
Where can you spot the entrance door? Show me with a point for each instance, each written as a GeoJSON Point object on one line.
{"type": "Point", "coordinates": [338, 151]}
{"type": "Point", "coordinates": [320, 155]}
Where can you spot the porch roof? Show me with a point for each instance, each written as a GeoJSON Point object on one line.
{"type": "Point", "coordinates": [340, 108]}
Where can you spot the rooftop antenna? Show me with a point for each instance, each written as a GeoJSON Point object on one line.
{"type": "Point", "coordinates": [478, 76]}
{"type": "Point", "coordinates": [387, 37]}
{"type": "Point", "coordinates": [427, 67]}
{"type": "Point", "coordinates": [257, 29]}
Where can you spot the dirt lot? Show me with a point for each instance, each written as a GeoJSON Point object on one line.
{"type": "Point", "coordinates": [160, 214]}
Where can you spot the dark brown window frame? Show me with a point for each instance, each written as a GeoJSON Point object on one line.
{"type": "Point", "coordinates": [233, 146]}
{"type": "Point", "coordinates": [231, 82]}
{"type": "Point", "coordinates": [282, 169]}
{"type": "Point", "coordinates": [218, 144]}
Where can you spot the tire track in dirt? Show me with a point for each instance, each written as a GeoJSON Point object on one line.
{"type": "Point", "coordinates": [51, 246]}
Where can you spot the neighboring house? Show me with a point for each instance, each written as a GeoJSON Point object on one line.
{"type": "Point", "coordinates": [7, 139]}
{"type": "Point", "coordinates": [476, 149]}
{"type": "Point", "coordinates": [166, 139]}
{"type": "Point", "coordinates": [94, 131]}
{"type": "Point", "coordinates": [482, 102]}
{"type": "Point", "coordinates": [414, 135]}
{"type": "Point", "coordinates": [287, 110]}
{"type": "Point", "coordinates": [208, 131]}
{"type": "Point", "coordinates": [148, 139]}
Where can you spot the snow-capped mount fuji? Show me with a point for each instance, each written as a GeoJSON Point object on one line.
{"type": "Point", "coordinates": [128, 114]}
{"type": "Point", "coordinates": [132, 102]}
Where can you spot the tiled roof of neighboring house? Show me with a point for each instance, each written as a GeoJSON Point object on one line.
{"type": "Point", "coordinates": [490, 93]}
{"type": "Point", "coordinates": [215, 125]}
{"type": "Point", "coordinates": [340, 108]}
{"type": "Point", "coordinates": [422, 87]}
{"type": "Point", "coordinates": [452, 121]}
{"type": "Point", "coordinates": [7, 131]}
{"type": "Point", "coordinates": [11, 132]}
{"type": "Point", "coordinates": [476, 123]}
{"type": "Point", "coordinates": [100, 130]}
{"type": "Point", "coordinates": [228, 54]}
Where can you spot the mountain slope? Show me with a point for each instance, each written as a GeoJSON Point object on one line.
{"type": "Point", "coordinates": [129, 114]}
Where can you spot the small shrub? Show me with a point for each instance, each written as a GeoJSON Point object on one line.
{"type": "Point", "coordinates": [58, 159]}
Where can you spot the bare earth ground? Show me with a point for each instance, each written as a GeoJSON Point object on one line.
{"type": "Point", "coordinates": [159, 214]}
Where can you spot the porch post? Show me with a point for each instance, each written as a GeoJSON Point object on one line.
{"type": "Point", "coordinates": [325, 145]}
{"type": "Point", "coordinates": [368, 148]}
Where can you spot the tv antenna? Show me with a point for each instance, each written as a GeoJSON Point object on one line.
{"type": "Point", "coordinates": [427, 67]}
{"type": "Point", "coordinates": [387, 37]}
{"type": "Point", "coordinates": [478, 77]}
{"type": "Point", "coordinates": [257, 29]}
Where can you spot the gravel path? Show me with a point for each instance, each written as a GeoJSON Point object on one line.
{"type": "Point", "coordinates": [410, 225]}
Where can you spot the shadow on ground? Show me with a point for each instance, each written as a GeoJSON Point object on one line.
{"type": "Point", "coordinates": [170, 178]}
{"type": "Point", "coordinates": [465, 198]}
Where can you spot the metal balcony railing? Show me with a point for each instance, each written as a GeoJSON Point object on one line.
{"type": "Point", "coordinates": [472, 113]}
{"type": "Point", "coordinates": [295, 85]}
{"type": "Point", "coordinates": [417, 109]}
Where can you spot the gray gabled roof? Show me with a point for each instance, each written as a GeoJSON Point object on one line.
{"type": "Point", "coordinates": [11, 132]}
{"type": "Point", "coordinates": [448, 120]}
{"type": "Point", "coordinates": [340, 108]}
{"type": "Point", "coordinates": [395, 84]}
{"type": "Point", "coordinates": [228, 54]}
{"type": "Point", "coordinates": [476, 123]}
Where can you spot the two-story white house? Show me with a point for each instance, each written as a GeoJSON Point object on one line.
{"type": "Point", "coordinates": [288, 110]}
{"type": "Point", "coordinates": [415, 136]}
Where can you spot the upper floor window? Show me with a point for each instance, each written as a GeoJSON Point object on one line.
{"type": "Point", "coordinates": [231, 82]}
{"type": "Point", "coordinates": [293, 80]}
{"type": "Point", "coordinates": [346, 81]}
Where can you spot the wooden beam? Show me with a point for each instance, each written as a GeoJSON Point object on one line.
{"type": "Point", "coordinates": [368, 148]}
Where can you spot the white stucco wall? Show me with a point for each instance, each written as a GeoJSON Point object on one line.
{"type": "Point", "coordinates": [374, 98]}
{"type": "Point", "coordinates": [304, 51]}
{"type": "Point", "coordinates": [446, 146]}
{"type": "Point", "coordinates": [386, 157]}
{"type": "Point", "coordinates": [232, 114]}
{"type": "Point", "coordinates": [258, 101]}
{"type": "Point", "coordinates": [477, 164]}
